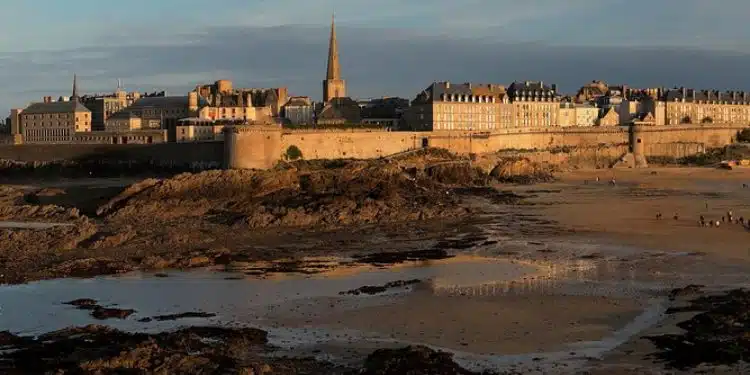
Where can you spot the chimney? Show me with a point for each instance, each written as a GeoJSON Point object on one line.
{"type": "Point", "coordinates": [447, 84]}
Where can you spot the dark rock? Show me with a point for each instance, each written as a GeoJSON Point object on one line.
{"type": "Point", "coordinates": [689, 290]}
{"type": "Point", "coordinates": [719, 335]}
{"type": "Point", "coordinates": [161, 318]}
{"type": "Point", "coordinates": [83, 303]}
{"type": "Point", "coordinates": [369, 289]}
{"type": "Point", "coordinates": [404, 256]}
{"type": "Point", "coordinates": [412, 360]}
{"type": "Point", "coordinates": [103, 313]}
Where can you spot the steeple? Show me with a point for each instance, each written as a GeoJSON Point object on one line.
{"type": "Point", "coordinates": [334, 70]}
{"type": "Point", "coordinates": [333, 85]}
{"type": "Point", "coordinates": [75, 87]}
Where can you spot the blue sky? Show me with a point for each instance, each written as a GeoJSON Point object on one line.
{"type": "Point", "coordinates": [175, 44]}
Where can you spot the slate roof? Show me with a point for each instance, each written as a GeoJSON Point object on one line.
{"type": "Point", "coordinates": [55, 107]}
{"type": "Point", "coordinates": [692, 95]}
{"type": "Point", "coordinates": [341, 108]}
{"type": "Point", "coordinates": [299, 101]}
{"type": "Point", "coordinates": [160, 101]}
{"type": "Point", "coordinates": [531, 89]}
{"type": "Point", "coordinates": [436, 90]}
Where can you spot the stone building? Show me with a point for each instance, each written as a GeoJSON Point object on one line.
{"type": "Point", "coordinates": [159, 111]}
{"type": "Point", "coordinates": [577, 114]}
{"type": "Point", "coordinates": [300, 110]}
{"type": "Point", "coordinates": [122, 138]}
{"type": "Point", "coordinates": [466, 106]}
{"type": "Point", "coordinates": [333, 86]}
{"type": "Point", "coordinates": [339, 111]}
{"type": "Point", "coordinates": [567, 114]}
{"type": "Point", "coordinates": [609, 117]}
{"type": "Point", "coordinates": [123, 121]}
{"type": "Point", "coordinates": [535, 104]}
{"type": "Point", "coordinates": [586, 115]}
{"type": "Point", "coordinates": [102, 106]}
{"type": "Point", "coordinates": [386, 112]}
{"type": "Point", "coordinates": [15, 121]}
{"type": "Point", "coordinates": [591, 92]}
{"type": "Point", "coordinates": [220, 101]}
{"type": "Point", "coordinates": [690, 106]}
{"type": "Point", "coordinates": [55, 121]}
{"type": "Point", "coordinates": [199, 129]}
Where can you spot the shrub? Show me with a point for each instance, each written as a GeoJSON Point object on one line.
{"type": "Point", "coordinates": [293, 153]}
{"type": "Point", "coordinates": [744, 136]}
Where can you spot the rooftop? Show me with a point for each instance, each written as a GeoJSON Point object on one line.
{"type": "Point", "coordinates": [55, 107]}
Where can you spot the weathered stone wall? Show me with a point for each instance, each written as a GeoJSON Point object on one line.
{"type": "Point", "coordinates": [361, 144]}
{"type": "Point", "coordinates": [584, 157]}
{"type": "Point", "coordinates": [711, 135]}
{"type": "Point", "coordinates": [252, 147]}
{"type": "Point", "coordinates": [263, 147]}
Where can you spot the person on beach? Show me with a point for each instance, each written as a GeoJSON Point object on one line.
{"type": "Point", "coordinates": [658, 215]}
{"type": "Point", "coordinates": [676, 217]}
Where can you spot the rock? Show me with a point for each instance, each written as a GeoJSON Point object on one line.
{"type": "Point", "coordinates": [412, 360]}
{"type": "Point", "coordinates": [83, 303]}
{"type": "Point", "coordinates": [103, 313]}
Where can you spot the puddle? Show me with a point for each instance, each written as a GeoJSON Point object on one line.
{"type": "Point", "coordinates": [37, 307]}
{"type": "Point", "coordinates": [30, 225]}
{"type": "Point", "coordinates": [468, 305]}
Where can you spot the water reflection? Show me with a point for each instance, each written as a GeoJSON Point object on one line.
{"type": "Point", "coordinates": [578, 276]}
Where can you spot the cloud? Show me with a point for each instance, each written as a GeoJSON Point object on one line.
{"type": "Point", "coordinates": [375, 62]}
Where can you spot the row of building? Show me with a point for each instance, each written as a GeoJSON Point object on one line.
{"type": "Point", "coordinates": [130, 117]}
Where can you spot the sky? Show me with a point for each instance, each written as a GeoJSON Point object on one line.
{"type": "Point", "coordinates": [387, 47]}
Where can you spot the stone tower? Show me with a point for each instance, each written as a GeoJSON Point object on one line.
{"type": "Point", "coordinates": [74, 96]}
{"type": "Point", "coordinates": [333, 86]}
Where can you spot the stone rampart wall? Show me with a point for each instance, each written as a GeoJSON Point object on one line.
{"type": "Point", "coordinates": [263, 147]}
{"type": "Point", "coordinates": [361, 144]}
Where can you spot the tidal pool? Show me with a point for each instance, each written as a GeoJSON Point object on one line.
{"type": "Point", "coordinates": [39, 307]}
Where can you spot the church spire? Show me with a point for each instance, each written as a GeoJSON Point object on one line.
{"type": "Point", "coordinates": [75, 87]}
{"type": "Point", "coordinates": [334, 70]}
{"type": "Point", "coordinates": [333, 86]}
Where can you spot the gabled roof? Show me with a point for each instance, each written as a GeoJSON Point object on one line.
{"type": "Point", "coordinates": [55, 107]}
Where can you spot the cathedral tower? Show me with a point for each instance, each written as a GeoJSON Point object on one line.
{"type": "Point", "coordinates": [333, 86]}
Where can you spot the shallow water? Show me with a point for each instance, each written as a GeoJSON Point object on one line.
{"type": "Point", "coordinates": [38, 307]}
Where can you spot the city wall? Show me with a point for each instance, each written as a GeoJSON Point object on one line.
{"type": "Point", "coordinates": [263, 147]}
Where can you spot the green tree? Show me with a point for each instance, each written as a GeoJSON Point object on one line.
{"type": "Point", "coordinates": [293, 153]}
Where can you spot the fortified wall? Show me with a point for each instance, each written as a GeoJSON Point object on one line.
{"type": "Point", "coordinates": [263, 147]}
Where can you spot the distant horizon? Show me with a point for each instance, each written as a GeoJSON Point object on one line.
{"type": "Point", "coordinates": [394, 51]}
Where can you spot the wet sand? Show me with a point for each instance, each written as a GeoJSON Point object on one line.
{"type": "Point", "coordinates": [614, 260]}
{"type": "Point", "coordinates": [626, 214]}
{"type": "Point", "coordinates": [485, 325]}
